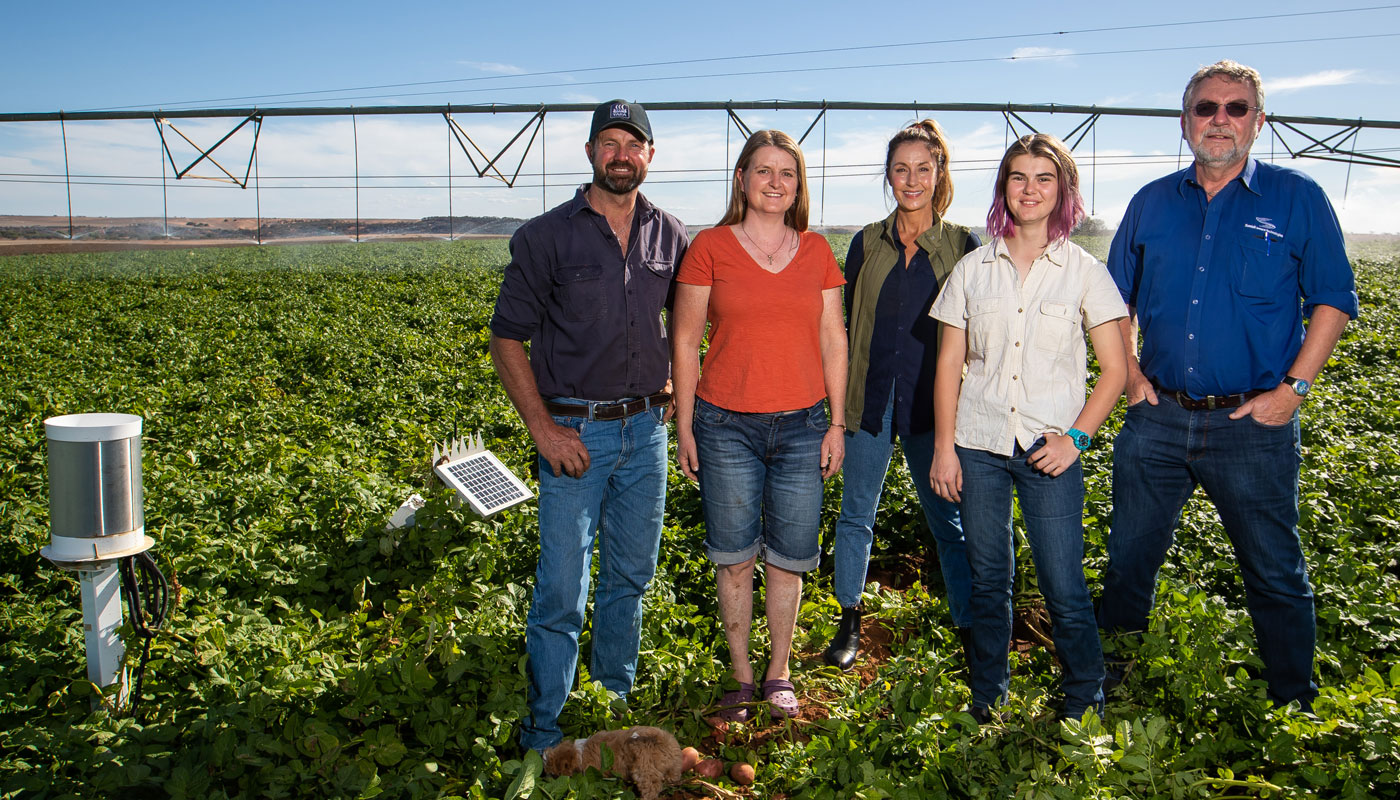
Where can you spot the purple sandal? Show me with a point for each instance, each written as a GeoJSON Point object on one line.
{"type": "Point", "coordinates": [734, 705]}
{"type": "Point", "coordinates": [782, 700]}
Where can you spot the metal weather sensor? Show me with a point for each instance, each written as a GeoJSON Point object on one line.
{"type": "Point", "coordinates": [98, 529]}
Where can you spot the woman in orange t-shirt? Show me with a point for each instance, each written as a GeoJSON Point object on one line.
{"type": "Point", "coordinates": [753, 429]}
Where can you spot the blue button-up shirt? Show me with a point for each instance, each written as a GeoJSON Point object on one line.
{"type": "Point", "coordinates": [1221, 288]}
{"type": "Point", "coordinates": [592, 315]}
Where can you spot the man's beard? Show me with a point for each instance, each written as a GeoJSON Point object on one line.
{"type": "Point", "coordinates": [617, 184]}
{"type": "Point", "coordinates": [1206, 157]}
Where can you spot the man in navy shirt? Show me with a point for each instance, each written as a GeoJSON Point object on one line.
{"type": "Point", "coordinates": [586, 286]}
{"type": "Point", "coordinates": [1219, 265]}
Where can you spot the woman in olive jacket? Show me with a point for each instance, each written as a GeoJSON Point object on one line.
{"type": "Point", "coordinates": [893, 274]}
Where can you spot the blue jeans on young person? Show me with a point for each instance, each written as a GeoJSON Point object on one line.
{"type": "Point", "coordinates": [1053, 511]}
{"type": "Point", "coordinates": [1250, 473]}
{"type": "Point", "coordinates": [761, 484]}
{"type": "Point", "coordinates": [619, 503]}
{"type": "Point", "coordinates": [864, 472]}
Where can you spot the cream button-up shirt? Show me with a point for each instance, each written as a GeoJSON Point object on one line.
{"type": "Point", "coordinates": [1026, 355]}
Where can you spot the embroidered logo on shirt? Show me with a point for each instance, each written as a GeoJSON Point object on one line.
{"type": "Point", "coordinates": [1266, 228]}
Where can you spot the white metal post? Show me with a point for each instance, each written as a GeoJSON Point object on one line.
{"type": "Point", "coordinates": [102, 616]}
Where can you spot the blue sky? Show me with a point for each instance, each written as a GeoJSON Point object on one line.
{"type": "Point", "coordinates": [78, 56]}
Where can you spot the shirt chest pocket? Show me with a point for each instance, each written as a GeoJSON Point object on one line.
{"type": "Point", "coordinates": [985, 326]}
{"type": "Point", "coordinates": [1056, 326]}
{"type": "Point", "coordinates": [661, 268]}
{"type": "Point", "coordinates": [582, 294]}
{"type": "Point", "coordinates": [1263, 269]}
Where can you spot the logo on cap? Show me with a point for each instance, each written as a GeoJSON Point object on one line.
{"type": "Point", "coordinates": [620, 111]}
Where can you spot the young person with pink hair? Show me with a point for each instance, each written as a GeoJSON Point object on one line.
{"type": "Point", "coordinates": [1014, 311]}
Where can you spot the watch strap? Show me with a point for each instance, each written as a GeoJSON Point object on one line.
{"type": "Point", "coordinates": [1081, 440]}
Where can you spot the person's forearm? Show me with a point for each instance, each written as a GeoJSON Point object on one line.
{"type": "Point", "coordinates": [513, 367]}
{"type": "Point", "coordinates": [1113, 377]}
{"type": "Point", "coordinates": [685, 374]}
{"type": "Point", "coordinates": [834, 373]}
{"type": "Point", "coordinates": [947, 383]}
{"type": "Point", "coordinates": [1127, 329]}
{"type": "Point", "coordinates": [1324, 331]}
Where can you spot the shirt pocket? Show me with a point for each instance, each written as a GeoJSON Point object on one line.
{"type": "Point", "coordinates": [984, 323]}
{"type": "Point", "coordinates": [581, 292]}
{"type": "Point", "coordinates": [1056, 325]}
{"type": "Point", "coordinates": [661, 267]}
{"type": "Point", "coordinates": [1262, 270]}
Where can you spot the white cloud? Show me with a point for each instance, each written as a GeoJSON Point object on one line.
{"type": "Point", "coordinates": [492, 66]}
{"type": "Point", "coordinates": [1041, 53]}
{"type": "Point", "coordinates": [1327, 77]}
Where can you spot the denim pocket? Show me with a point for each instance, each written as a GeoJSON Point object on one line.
{"type": "Point", "coordinates": [658, 414]}
{"type": "Point", "coordinates": [816, 417]}
{"type": "Point", "coordinates": [1267, 427]}
{"type": "Point", "coordinates": [578, 424]}
{"type": "Point", "coordinates": [710, 414]}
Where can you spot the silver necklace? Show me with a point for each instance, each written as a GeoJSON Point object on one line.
{"type": "Point", "coordinates": [766, 254]}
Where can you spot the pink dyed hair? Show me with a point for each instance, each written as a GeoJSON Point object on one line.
{"type": "Point", "coordinates": [1069, 208]}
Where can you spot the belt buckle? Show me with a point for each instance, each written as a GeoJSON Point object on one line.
{"type": "Point", "coordinates": [1210, 402]}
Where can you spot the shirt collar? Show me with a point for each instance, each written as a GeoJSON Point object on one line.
{"type": "Point", "coordinates": [644, 211]}
{"type": "Point", "coordinates": [1056, 253]}
{"type": "Point", "coordinates": [1247, 176]}
{"type": "Point", "coordinates": [928, 240]}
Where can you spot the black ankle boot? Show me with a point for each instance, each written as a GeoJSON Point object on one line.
{"type": "Point", "coordinates": [845, 645]}
{"type": "Point", "coordinates": [965, 636]}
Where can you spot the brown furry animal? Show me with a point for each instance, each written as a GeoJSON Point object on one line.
{"type": "Point", "coordinates": [648, 757]}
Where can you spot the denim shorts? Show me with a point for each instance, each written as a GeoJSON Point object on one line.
{"type": "Point", "coordinates": [761, 484]}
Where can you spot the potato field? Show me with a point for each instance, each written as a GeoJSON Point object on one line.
{"type": "Point", "coordinates": [291, 397]}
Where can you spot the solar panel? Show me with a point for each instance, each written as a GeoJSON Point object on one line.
{"type": "Point", "coordinates": [479, 477]}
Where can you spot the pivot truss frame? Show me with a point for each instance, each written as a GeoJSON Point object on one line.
{"type": "Point", "coordinates": [1337, 141]}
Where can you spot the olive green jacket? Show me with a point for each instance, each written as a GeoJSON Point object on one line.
{"type": "Point", "coordinates": [944, 243]}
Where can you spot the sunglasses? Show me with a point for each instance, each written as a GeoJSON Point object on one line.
{"type": "Point", "coordinates": [1235, 108]}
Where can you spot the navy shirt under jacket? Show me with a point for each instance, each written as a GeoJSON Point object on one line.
{"type": "Point", "coordinates": [593, 318]}
{"type": "Point", "coordinates": [903, 343]}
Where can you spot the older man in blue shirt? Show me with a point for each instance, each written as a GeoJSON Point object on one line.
{"type": "Point", "coordinates": [1219, 264]}
{"type": "Point", "coordinates": [586, 286]}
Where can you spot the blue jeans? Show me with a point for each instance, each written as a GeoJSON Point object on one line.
{"type": "Point", "coordinates": [1250, 473]}
{"type": "Point", "coordinates": [761, 484]}
{"type": "Point", "coordinates": [1053, 510]}
{"type": "Point", "coordinates": [866, 465]}
{"type": "Point", "coordinates": [619, 503]}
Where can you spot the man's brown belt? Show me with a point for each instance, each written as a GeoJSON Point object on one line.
{"type": "Point", "coordinates": [1210, 402]}
{"type": "Point", "coordinates": [609, 411]}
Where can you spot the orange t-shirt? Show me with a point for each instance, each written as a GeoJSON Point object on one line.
{"type": "Point", "coordinates": [765, 328]}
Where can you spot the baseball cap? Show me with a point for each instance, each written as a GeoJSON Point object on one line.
{"type": "Point", "coordinates": [621, 114]}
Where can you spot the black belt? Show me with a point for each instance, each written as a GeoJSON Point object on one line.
{"type": "Point", "coordinates": [1209, 402]}
{"type": "Point", "coordinates": [609, 411]}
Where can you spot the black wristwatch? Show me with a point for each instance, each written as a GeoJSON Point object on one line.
{"type": "Point", "coordinates": [1300, 386]}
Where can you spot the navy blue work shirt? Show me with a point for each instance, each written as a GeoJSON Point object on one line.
{"type": "Point", "coordinates": [1221, 288]}
{"type": "Point", "coordinates": [903, 343]}
{"type": "Point", "coordinates": [593, 318]}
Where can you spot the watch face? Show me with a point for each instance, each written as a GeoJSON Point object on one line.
{"type": "Point", "coordinates": [1300, 386]}
{"type": "Point", "coordinates": [1082, 441]}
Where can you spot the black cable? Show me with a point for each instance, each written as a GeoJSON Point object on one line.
{"type": "Point", "coordinates": [151, 596]}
